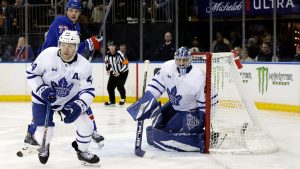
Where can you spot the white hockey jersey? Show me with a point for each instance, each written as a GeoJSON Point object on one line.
{"type": "Point", "coordinates": [186, 92]}
{"type": "Point", "coordinates": [68, 80]}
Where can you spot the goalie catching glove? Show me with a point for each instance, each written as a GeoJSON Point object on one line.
{"type": "Point", "coordinates": [143, 108]}
{"type": "Point", "coordinates": [73, 110]}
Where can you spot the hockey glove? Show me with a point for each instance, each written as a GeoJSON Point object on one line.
{"type": "Point", "coordinates": [94, 42]}
{"type": "Point", "coordinates": [143, 108]}
{"type": "Point", "coordinates": [73, 110]}
{"type": "Point", "coordinates": [47, 93]}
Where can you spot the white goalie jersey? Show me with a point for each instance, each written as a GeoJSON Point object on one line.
{"type": "Point", "coordinates": [185, 92]}
{"type": "Point", "coordinates": [67, 79]}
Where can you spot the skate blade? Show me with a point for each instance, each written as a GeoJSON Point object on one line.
{"type": "Point", "coordinates": [90, 164]}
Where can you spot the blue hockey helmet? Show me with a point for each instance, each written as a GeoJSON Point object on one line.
{"type": "Point", "coordinates": [183, 59]}
{"type": "Point", "coordinates": [74, 4]}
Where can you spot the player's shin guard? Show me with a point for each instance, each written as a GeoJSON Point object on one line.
{"type": "Point", "coordinates": [97, 138]}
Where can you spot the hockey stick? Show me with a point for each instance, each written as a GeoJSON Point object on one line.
{"type": "Point", "coordinates": [43, 147]}
{"type": "Point", "coordinates": [29, 149]}
{"type": "Point", "coordinates": [140, 124]}
{"type": "Point", "coordinates": [102, 24]}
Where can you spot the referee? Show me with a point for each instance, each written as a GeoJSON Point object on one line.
{"type": "Point", "coordinates": [117, 68]}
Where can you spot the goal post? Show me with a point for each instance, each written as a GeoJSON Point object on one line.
{"type": "Point", "coordinates": [232, 125]}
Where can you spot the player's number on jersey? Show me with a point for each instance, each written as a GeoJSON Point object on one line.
{"type": "Point", "coordinates": [90, 79]}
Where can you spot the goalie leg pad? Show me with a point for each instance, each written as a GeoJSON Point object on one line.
{"type": "Point", "coordinates": [182, 142]}
{"type": "Point", "coordinates": [143, 108]}
{"type": "Point", "coordinates": [193, 122]}
{"type": "Point", "coordinates": [39, 115]}
{"type": "Point", "coordinates": [186, 122]}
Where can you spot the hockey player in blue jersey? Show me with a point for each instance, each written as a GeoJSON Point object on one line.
{"type": "Point", "coordinates": [61, 23]}
{"type": "Point", "coordinates": [69, 22]}
{"type": "Point", "coordinates": [179, 124]}
{"type": "Point", "coordinates": [63, 78]}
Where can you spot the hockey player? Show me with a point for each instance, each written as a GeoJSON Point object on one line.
{"type": "Point", "coordinates": [61, 23]}
{"type": "Point", "coordinates": [69, 22]}
{"type": "Point", "coordinates": [63, 77]}
{"type": "Point", "coordinates": [178, 125]}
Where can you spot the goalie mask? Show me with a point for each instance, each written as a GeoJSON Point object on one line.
{"type": "Point", "coordinates": [69, 39]}
{"type": "Point", "coordinates": [183, 59]}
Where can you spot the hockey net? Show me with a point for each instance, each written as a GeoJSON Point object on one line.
{"type": "Point", "coordinates": [232, 125]}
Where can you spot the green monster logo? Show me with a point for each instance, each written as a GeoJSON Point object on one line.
{"type": "Point", "coordinates": [262, 79]}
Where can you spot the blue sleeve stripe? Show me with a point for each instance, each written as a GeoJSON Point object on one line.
{"type": "Point", "coordinates": [89, 89]}
{"type": "Point", "coordinates": [88, 93]}
{"type": "Point", "coordinates": [29, 73]}
{"type": "Point", "coordinates": [158, 83]}
{"type": "Point", "coordinates": [33, 76]}
{"type": "Point", "coordinates": [201, 102]}
{"type": "Point", "coordinates": [155, 88]}
{"type": "Point", "coordinates": [211, 103]}
{"type": "Point", "coordinates": [84, 102]}
{"type": "Point", "coordinates": [38, 98]}
{"type": "Point", "coordinates": [40, 87]}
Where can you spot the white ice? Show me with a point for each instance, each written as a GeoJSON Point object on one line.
{"type": "Point", "coordinates": [119, 131]}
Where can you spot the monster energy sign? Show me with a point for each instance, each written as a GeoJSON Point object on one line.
{"type": "Point", "coordinates": [276, 78]}
{"type": "Point", "coordinates": [262, 79]}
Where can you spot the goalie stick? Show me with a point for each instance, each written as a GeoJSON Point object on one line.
{"type": "Point", "coordinates": [102, 25]}
{"type": "Point", "coordinates": [140, 124]}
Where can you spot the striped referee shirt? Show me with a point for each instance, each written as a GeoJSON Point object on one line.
{"type": "Point", "coordinates": [117, 62]}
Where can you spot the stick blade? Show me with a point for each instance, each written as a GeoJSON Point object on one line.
{"type": "Point", "coordinates": [143, 154]}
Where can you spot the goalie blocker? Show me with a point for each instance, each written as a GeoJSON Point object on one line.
{"type": "Point", "coordinates": [171, 130]}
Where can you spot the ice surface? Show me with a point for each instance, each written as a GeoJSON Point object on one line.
{"type": "Point", "coordinates": [119, 130]}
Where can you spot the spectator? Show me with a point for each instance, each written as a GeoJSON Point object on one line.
{"type": "Point", "coordinates": [221, 44]}
{"type": "Point", "coordinates": [235, 39]}
{"type": "Point", "coordinates": [238, 51]}
{"type": "Point", "coordinates": [23, 52]}
{"type": "Point", "coordinates": [242, 54]}
{"type": "Point", "coordinates": [5, 12]}
{"type": "Point", "coordinates": [252, 48]}
{"type": "Point", "coordinates": [297, 55]}
{"type": "Point", "coordinates": [196, 46]}
{"type": "Point", "coordinates": [17, 16]}
{"type": "Point", "coordinates": [7, 55]}
{"type": "Point", "coordinates": [265, 54]}
{"type": "Point", "coordinates": [123, 49]}
{"type": "Point", "coordinates": [163, 8]}
{"type": "Point", "coordinates": [117, 69]}
{"type": "Point", "coordinates": [166, 50]}
{"type": "Point", "coordinates": [97, 13]}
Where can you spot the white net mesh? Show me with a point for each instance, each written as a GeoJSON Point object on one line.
{"type": "Point", "coordinates": [235, 127]}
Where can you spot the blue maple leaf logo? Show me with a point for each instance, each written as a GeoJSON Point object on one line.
{"type": "Point", "coordinates": [62, 88]}
{"type": "Point", "coordinates": [174, 98]}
